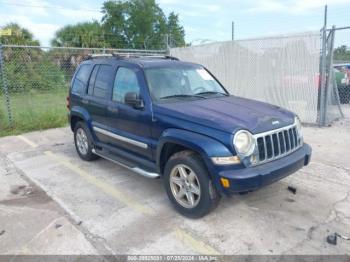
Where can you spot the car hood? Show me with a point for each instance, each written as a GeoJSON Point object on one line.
{"type": "Point", "coordinates": [230, 113]}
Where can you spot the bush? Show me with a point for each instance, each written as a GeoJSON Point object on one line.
{"type": "Point", "coordinates": [31, 69]}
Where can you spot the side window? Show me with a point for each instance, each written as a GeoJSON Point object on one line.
{"type": "Point", "coordinates": [81, 79]}
{"type": "Point", "coordinates": [92, 80]}
{"type": "Point", "coordinates": [104, 81]}
{"type": "Point", "coordinates": [125, 81]}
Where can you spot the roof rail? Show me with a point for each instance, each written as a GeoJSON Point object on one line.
{"type": "Point", "coordinates": [164, 57]}
{"type": "Point", "coordinates": [132, 55]}
{"type": "Point", "coordinates": [144, 55]}
{"type": "Point", "coordinates": [92, 56]}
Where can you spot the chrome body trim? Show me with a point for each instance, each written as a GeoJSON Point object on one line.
{"type": "Point", "coordinates": [120, 138]}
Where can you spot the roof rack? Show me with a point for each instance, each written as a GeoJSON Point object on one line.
{"type": "Point", "coordinates": [164, 57]}
{"type": "Point", "coordinates": [132, 55]}
{"type": "Point", "coordinates": [92, 56]}
{"type": "Point", "coordinates": [143, 55]}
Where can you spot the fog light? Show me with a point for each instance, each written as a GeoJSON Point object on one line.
{"type": "Point", "coordinates": [225, 182]}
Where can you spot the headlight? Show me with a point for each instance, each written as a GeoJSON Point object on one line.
{"type": "Point", "coordinates": [244, 143]}
{"type": "Point", "coordinates": [298, 126]}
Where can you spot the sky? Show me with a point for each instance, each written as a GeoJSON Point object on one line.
{"type": "Point", "coordinates": [204, 20]}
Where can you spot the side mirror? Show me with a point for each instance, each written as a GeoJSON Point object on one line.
{"type": "Point", "coordinates": [133, 99]}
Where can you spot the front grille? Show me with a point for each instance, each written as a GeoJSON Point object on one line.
{"type": "Point", "coordinates": [276, 143]}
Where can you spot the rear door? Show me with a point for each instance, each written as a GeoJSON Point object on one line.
{"type": "Point", "coordinates": [80, 81]}
{"type": "Point", "coordinates": [98, 91]}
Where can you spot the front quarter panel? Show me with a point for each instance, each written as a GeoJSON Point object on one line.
{"type": "Point", "coordinates": [205, 146]}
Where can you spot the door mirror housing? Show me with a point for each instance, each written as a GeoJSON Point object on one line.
{"type": "Point", "coordinates": [133, 99]}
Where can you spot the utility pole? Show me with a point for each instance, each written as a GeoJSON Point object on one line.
{"type": "Point", "coordinates": [233, 31]}
{"type": "Point", "coordinates": [325, 15]}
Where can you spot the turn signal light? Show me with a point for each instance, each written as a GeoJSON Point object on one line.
{"type": "Point", "coordinates": [225, 182]}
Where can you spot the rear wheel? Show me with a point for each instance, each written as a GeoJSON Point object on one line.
{"type": "Point", "coordinates": [83, 142]}
{"type": "Point", "coordinates": [188, 185]}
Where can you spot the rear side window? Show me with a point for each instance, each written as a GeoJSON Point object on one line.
{"type": "Point", "coordinates": [81, 79]}
{"type": "Point", "coordinates": [104, 81]}
{"type": "Point", "coordinates": [92, 80]}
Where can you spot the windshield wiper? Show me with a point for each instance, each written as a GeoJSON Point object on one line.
{"type": "Point", "coordinates": [182, 95]}
{"type": "Point", "coordinates": [212, 92]}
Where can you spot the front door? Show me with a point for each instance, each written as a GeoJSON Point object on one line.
{"type": "Point", "coordinates": [130, 125]}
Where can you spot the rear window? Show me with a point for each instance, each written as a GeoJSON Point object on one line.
{"type": "Point", "coordinates": [81, 79]}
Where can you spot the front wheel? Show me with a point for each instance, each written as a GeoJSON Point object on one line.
{"type": "Point", "coordinates": [188, 185]}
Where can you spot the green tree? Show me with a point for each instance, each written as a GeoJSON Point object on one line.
{"type": "Point", "coordinates": [342, 53]}
{"type": "Point", "coordinates": [19, 36]}
{"type": "Point", "coordinates": [88, 34]}
{"type": "Point", "coordinates": [139, 24]}
{"type": "Point", "coordinates": [175, 30]}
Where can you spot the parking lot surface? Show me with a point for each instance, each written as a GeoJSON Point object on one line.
{"type": "Point", "coordinates": [52, 202]}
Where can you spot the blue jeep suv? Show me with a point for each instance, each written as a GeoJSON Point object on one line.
{"type": "Point", "coordinates": [161, 117]}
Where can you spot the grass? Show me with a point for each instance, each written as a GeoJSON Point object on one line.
{"type": "Point", "coordinates": [35, 110]}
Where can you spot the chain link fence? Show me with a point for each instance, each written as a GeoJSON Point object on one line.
{"type": "Point", "coordinates": [334, 96]}
{"type": "Point", "coordinates": [292, 71]}
{"type": "Point", "coordinates": [341, 69]}
{"type": "Point", "coordinates": [34, 84]}
{"type": "Point", "coordinates": [281, 70]}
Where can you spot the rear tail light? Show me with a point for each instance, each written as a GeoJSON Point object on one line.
{"type": "Point", "coordinates": [68, 103]}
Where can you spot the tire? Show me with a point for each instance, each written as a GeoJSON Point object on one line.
{"type": "Point", "coordinates": [84, 145]}
{"type": "Point", "coordinates": [201, 203]}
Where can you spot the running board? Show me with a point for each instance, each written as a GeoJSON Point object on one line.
{"type": "Point", "coordinates": [136, 170]}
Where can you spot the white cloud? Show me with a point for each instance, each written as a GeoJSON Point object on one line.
{"type": "Point", "coordinates": [36, 16]}
{"type": "Point", "coordinates": [42, 31]}
{"type": "Point", "coordinates": [31, 7]}
{"type": "Point", "coordinates": [168, 2]}
{"type": "Point", "coordinates": [86, 14]}
{"type": "Point", "coordinates": [208, 7]}
{"type": "Point", "coordinates": [292, 6]}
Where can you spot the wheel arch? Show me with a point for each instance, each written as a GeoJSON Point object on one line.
{"type": "Point", "coordinates": [79, 114]}
{"type": "Point", "coordinates": [176, 140]}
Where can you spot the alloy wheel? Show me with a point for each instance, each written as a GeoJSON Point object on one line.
{"type": "Point", "coordinates": [82, 141]}
{"type": "Point", "coordinates": [185, 186]}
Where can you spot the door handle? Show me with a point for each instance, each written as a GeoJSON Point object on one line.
{"type": "Point", "coordinates": [85, 101]}
{"type": "Point", "coordinates": [113, 109]}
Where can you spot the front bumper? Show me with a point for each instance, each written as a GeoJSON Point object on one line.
{"type": "Point", "coordinates": [253, 178]}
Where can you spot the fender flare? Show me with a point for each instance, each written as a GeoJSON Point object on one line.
{"type": "Point", "coordinates": [81, 113]}
{"type": "Point", "coordinates": [206, 146]}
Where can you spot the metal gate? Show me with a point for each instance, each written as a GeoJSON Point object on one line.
{"type": "Point", "coordinates": [334, 95]}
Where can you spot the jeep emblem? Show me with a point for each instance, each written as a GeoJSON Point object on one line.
{"type": "Point", "coordinates": [276, 122]}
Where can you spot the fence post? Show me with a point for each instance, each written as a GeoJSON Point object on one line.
{"type": "Point", "coordinates": [323, 66]}
{"type": "Point", "coordinates": [5, 87]}
{"type": "Point", "coordinates": [329, 73]}
{"type": "Point", "coordinates": [167, 47]}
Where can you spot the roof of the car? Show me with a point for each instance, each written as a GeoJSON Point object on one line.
{"type": "Point", "coordinates": [144, 62]}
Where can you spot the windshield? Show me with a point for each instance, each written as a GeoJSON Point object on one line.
{"type": "Point", "coordinates": [182, 83]}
